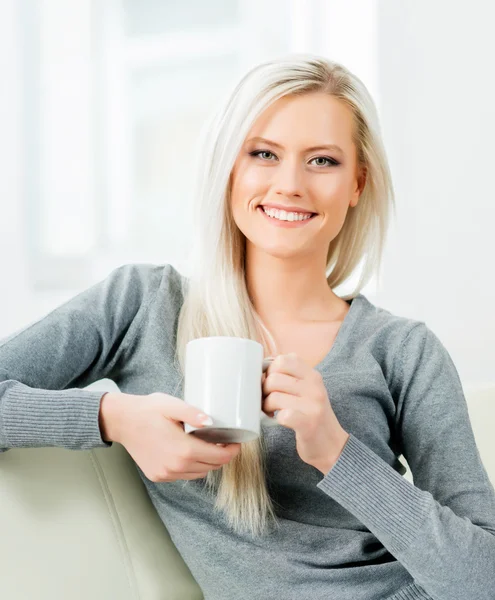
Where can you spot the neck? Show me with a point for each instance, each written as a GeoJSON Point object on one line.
{"type": "Point", "coordinates": [289, 290]}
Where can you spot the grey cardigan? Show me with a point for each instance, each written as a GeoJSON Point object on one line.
{"type": "Point", "coordinates": [363, 531]}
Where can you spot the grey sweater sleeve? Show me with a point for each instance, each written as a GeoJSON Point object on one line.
{"type": "Point", "coordinates": [44, 365]}
{"type": "Point", "coordinates": [442, 528]}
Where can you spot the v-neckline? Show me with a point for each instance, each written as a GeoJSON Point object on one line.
{"type": "Point", "coordinates": [342, 333]}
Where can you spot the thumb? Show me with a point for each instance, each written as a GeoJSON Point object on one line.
{"type": "Point", "coordinates": [179, 410]}
{"type": "Point", "coordinates": [194, 416]}
{"type": "Point", "coordinates": [200, 418]}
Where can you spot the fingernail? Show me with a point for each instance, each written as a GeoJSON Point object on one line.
{"type": "Point", "coordinates": [206, 420]}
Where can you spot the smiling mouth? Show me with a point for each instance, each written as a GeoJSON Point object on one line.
{"type": "Point", "coordinates": [288, 216]}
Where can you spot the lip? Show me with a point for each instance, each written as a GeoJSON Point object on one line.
{"type": "Point", "coordinates": [297, 209]}
{"type": "Point", "coordinates": [285, 224]}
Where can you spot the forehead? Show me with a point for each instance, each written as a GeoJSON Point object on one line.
{"type": "Point", "coordinates": [308, 119]}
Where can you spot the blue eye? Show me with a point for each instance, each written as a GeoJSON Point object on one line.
{"type": "Point", "coordinates": [330, 162]}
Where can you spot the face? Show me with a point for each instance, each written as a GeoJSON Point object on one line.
{"type": "Point", "coordinates": [291, 170]}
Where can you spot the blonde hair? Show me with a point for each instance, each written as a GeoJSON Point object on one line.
{"type": "Point", "coordinates": [216, 301]}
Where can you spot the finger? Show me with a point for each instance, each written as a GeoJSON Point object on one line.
{"type": "Point", "coordinates": [290, 364]}
{"type": "Point", "coordinates": [281, 382]}
{"type": "Point", "coordinates": [294, 419]}
{"type": "Point", "coordinates": [198, 475]}
{"type": "Point", "coordinates": [279, 401]}
{"type": "Point", "coordinates": [206, 453]}
{"type": "Point", "coordinates": [200, 466]}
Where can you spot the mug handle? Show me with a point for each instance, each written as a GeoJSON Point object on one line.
{"type": "Point", "coordinates": [265, 419]}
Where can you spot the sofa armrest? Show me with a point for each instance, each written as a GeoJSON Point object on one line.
{"type": "Point", "coordinates": [80, 524]}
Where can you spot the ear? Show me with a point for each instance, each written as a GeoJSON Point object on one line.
{"type": "Point", "coordinates": [361, 182]}
{"type": "Point", "coordinates": [363, 175]}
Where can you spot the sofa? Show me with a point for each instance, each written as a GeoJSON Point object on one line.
{"type": "Point", "coordinates": [79, 525]}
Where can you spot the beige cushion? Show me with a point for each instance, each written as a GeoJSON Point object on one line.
{"type": "Point", "coordinates": [79, 525]}
{"type": "Point", "coordinates": [481, 405]}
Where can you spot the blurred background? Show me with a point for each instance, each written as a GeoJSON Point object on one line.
{"type": "Point", "coordinates": [101, 102]}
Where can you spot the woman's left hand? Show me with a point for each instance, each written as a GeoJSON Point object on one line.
{"type": "Point", "coordinates": [297, 391]}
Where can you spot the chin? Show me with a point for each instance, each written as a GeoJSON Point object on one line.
{"type": "Point", "coordinates": [279, 252]}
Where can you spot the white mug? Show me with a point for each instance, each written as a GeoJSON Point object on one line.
{"type": "Point", "coordinates": [223, 379]}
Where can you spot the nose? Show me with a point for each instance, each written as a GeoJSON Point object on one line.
{"type": "Point", "coordinates": [288, 179]}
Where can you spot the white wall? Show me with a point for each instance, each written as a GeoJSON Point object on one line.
{"type": "Point", "coordinates": [437, 88]}
{"type": "Point", "coordinates": [14, 286]}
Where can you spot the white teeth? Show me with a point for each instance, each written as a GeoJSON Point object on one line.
{"type": "Point", "coordinates": [282, 215]}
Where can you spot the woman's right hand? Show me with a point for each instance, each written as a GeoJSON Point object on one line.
{"type": "Point", "coordinates": [151, 428]}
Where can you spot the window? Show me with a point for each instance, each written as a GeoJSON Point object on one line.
{"type": "Point", "coordinates": [114, 95]}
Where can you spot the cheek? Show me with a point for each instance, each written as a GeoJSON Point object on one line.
{"type": "Point", "coordinates": [242, 194]}
{"type": "Point", "coordinates": [332, 186]}
{"type": "Point", "coordinates": [247, 190]}
{"type": "Point", "coordinates": [249, 180]}
{"type": "Point", "coordinates": [333, 192]}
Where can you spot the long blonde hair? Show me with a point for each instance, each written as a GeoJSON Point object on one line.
{"type": "Point", "coordinates": [216, 301]}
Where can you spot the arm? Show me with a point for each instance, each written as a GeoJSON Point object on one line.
{"type": "Point", "coordinates": [442, 528]}
{"type": "Point", "coordinates": [44, 365]}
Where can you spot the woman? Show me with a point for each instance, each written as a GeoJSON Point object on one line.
{"type": "Point", "coordinates": [293, 192]}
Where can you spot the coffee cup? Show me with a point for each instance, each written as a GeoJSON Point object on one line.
{"type": "Point", "coordinates": [223, 379]}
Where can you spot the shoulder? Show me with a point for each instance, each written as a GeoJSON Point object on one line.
{"type": "Point", "coordinates": [149, 279]}
{"type": "Point", "coordinates": [393, 339]}
{"type": "Point", "coordinates": [132, 289]}
{"type": "Point", "coordinates": [381, 325]}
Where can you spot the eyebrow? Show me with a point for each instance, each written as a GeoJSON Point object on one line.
{"type": "Point", "coordinates": [311, 149]}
